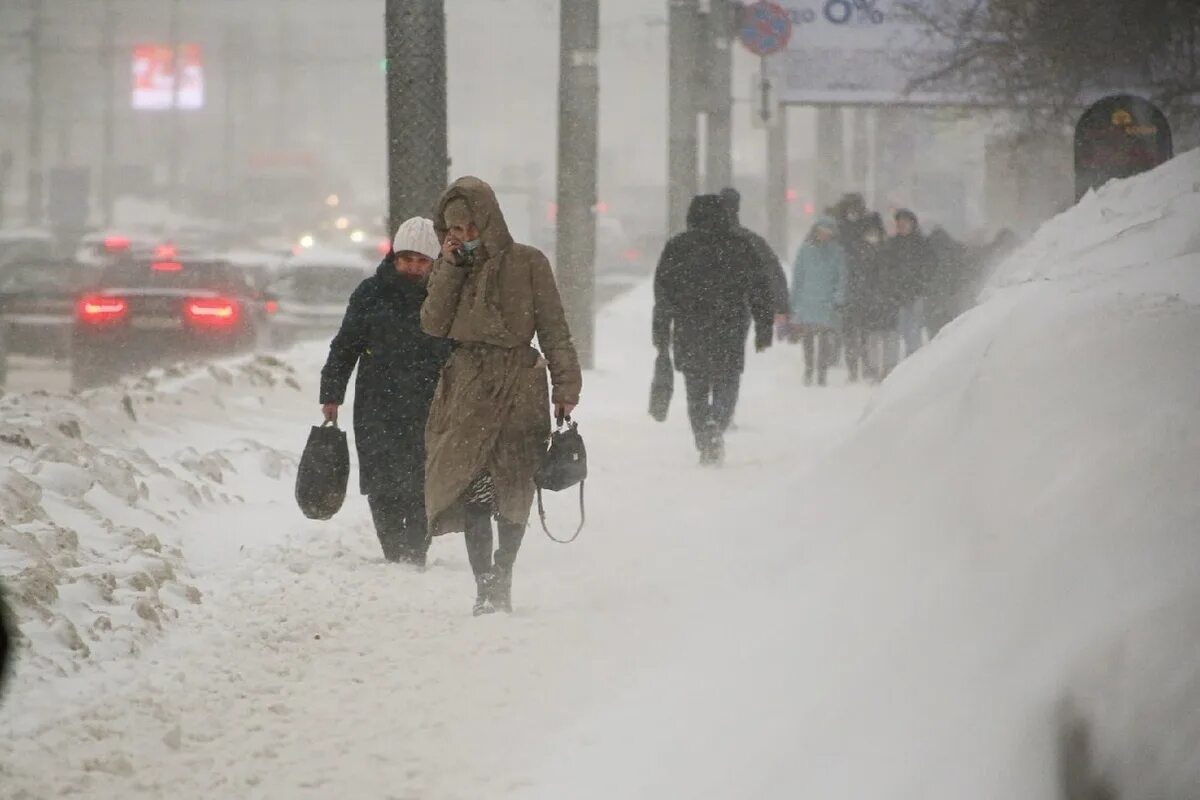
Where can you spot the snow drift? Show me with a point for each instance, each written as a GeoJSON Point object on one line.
{"type": "Point", "coordinates": [989, 591]}
{"type": "Point", "coordinates": [92, 495]}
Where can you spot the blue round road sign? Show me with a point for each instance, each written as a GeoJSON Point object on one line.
{"type": "Point", "coordinates": [766, 28]}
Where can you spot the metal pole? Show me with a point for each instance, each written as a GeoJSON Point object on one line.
{"type": "Point", "coordinates": [578, 144]}
{"type": "Point", "coordinates": [777, 180]}
{"type": "Point", "coordinates": [174, 146]}
{"type": "Point", "coordinates": [719, 120]}
{"type": "Point", "coordinates": [283, 122]}
{"type": "Point", "coordinates": [229, 144]}
{"type": "Point", "coordinates": [683, 22]}
{"type": "Point", "coordinates": [416, 106]}
{"type": "Point", "coordinates": [108, 134]}
{"type": "Point", "coordinates": [830, 160]}
{"type": "Point", "coordinates": [862, 149]}
{"type": "Point", "coordinates": [34, 199]}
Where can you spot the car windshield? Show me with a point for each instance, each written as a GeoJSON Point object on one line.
{"type": "Point", "coordinates": [319, 284]}
{"type": "Point", "coordinates": [24, 276]}
{"type": "Point", "coordinates": [213, 275]}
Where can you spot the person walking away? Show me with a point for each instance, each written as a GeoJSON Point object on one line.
{"type": "Point", "coordinates": [708, 286]}
{"type": "Point", "coordinates": [398, 368]}
{"type": "Point", "coordinates": [912, 263]}
{"type": "Point", "coordinates": [769, 263]}
{"type": "Point", "coordinates": [818, 294]}
{"type": "Point", "coordinates": [881, 304]}
{"type": "Point", "coordinates": [853, 222]}
{"type": "Point", "coordinates": [948, 283]}
{"type": "Point", "coordinates": [490, 419]}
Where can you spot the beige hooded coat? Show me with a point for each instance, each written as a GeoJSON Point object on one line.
{"type": "Point", "coordinates": [491, 411]}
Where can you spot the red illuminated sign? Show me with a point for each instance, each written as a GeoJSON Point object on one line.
{"type": "Point", "coordinates": [154, 85]}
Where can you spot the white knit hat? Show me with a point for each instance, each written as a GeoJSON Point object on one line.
{"type": "Point", "coordinates": [416, 235]}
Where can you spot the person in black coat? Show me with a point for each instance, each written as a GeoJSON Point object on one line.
{"type": "Point", "coordinates": [708, 286]}
{"type": "Point", "coordinates": [854, 222]}
{"type": "Point", "coordinates": [912, 263]}
{"type": "Point", "coordinates": [398, 370]}
{"type": "Point", "coordinates": [768, 261]}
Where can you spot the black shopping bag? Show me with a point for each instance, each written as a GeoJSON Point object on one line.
{"type": "Point", "coordinates": [323, 473]}
{"type": "Point", "coordinates": [563, 466]}
{"type": "Point", "coordinates": [662, 386]}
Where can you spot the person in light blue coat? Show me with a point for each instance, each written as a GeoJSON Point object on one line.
{"type": "Point", "coordinates": [818, 294]}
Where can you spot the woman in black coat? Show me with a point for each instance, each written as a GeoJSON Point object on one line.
{"type": "Point", "coordinates": [398, 369]}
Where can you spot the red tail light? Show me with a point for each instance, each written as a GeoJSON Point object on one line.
{"type": "Point", "coordinates": [211, 312]}
{"type": "Point", "coordinates": [97, 309]}
{"type": "Point", "coordinates": [167, 266]}
{"type": "Point", "coordinates": [116, 244]}
{"type": "Point", "coordinates": [384, 247]}
{"type": "Point", "coordinates": [166, 251]}
{"type": "Point", "coordinates": [271, 306]}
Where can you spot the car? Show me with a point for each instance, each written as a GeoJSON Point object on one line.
{"type": "Point", "coordinates": [104, 248]}
{"type": "Point", "coordinates": [140, 313]}
{"type": "Point", "coordinates": [311, 293]}
{"type": "Point", "coordinates": [260, 267]}
{"type": "Point", "coordinates": [37, 306]}
{"type": "Point", "coordinates": [19, 243]}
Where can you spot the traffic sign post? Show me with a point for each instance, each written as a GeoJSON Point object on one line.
{"type": "Point", "coordinates": [766, 29]}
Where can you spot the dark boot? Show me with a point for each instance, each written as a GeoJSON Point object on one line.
{"type": "Point", "coordinates": [510, 536]}
{"type": "Point", "coordinates": [484, 586]}
{"type": "Point", "coordinates": [501, 589]}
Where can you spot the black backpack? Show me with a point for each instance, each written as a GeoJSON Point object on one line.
{"type": "Point", "coordinates": [323, 472]}
{"type": "Point", "coordinates": [563, 466]}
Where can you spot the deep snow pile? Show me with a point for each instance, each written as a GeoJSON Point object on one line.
{"type": "Point", "coordinates": [92, 494]}
{"type": "Point", "coordinates": [992, 582]}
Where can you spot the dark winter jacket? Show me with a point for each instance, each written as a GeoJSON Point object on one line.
{"type": "Point", "coordinates": [859, 253]}
{"type": "Point", "coordinates": [947, 292]}
{"type": "Point", "coordinates": [708, 286]}
{"type": "Point", "coordinates": [398, 368]}
{"type": "Point", "coordinates": [771, 267]}
{"type": "Point", "coordinates": [910, 264]}
{"type": "Point", "coordinates": [881, 301]}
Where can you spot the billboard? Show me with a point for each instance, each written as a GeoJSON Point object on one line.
{"type": "Point", "coordinates": [853, 52]}
{"type": "Point", "coordinates": [154, 86]}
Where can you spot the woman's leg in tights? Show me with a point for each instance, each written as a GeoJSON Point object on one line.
{"type": "Point", "coordinates": [479, 541]}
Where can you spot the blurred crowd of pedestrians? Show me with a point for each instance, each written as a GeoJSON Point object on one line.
{"type": "Point", "coordinates": [864, 292]}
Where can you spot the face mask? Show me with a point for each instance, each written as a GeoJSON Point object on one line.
{"type": "Point", "coordinates": [472, 245]}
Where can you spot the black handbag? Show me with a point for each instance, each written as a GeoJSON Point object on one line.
{"type": "Point", "coordinates": [563, 466]}
{"type": "Point", "coordinates": [323, 472]}
{"type": "Point", "coordinates": [662, 387]}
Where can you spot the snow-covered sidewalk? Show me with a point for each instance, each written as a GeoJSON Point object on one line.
{"type": "Point", "coordinates": [313, 667]}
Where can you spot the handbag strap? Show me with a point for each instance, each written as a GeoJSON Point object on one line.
{"type": "Point", "coordinates": [582, 517]}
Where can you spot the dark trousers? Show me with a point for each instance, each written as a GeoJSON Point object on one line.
{"type": "Point", "coordinates": [711, 402]}
{"type": "Point", "coordinates": [857, 352]}
{"type": "Point", "coordinates": [480, 542]}
{"type": "Point", "coordinates": [400, 522]}
{"type": "Point", "coordinates": [819, 352]}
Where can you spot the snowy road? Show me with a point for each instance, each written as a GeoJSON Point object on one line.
{"type": "Point", "coordinates": [312, 668]}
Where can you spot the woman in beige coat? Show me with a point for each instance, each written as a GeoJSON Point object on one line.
{"type": "Point", "coordinates": [490, 418]}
